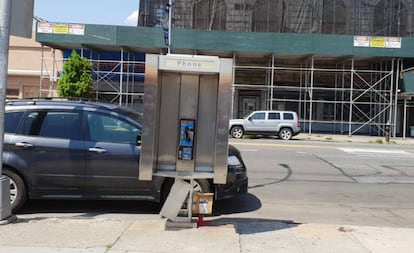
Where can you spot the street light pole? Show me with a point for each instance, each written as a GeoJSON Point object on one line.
{"type": "Point", "coordinates": [5, 10]}
{"type": "Point", "coordinates": [170, 3]}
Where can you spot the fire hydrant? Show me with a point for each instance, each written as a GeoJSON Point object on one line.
{"type": "Point", "coordinates": [387, 132]}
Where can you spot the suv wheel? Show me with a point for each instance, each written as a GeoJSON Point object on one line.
{"type": "Point", "coordinates": [237, 132]}
{"type": "Point", "coordinates": [18, 192]}
{"type": "Point", "coordinates": [285, 134]}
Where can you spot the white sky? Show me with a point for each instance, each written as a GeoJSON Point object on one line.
{"type": "Point", "coordinates": [101, 12]}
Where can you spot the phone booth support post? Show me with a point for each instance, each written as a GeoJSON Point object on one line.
{"type": "Point", "coordinates": [187, 101]}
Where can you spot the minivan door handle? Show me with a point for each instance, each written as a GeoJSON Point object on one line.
{"type": "Point", "coordinates": [97, 150]}
{"type": "Point", "coordinates": [23, 144]}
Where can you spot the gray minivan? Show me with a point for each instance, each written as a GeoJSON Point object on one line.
{"type": "Point", "coordinates": [88, 150]}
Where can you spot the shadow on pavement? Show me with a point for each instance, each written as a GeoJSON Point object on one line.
{"type": "Point", "coordinates": [90, 208]}
{"type": "Point", "coordinates": [240, 204]}
{"type": "Point", "coordinates": [246, 226]}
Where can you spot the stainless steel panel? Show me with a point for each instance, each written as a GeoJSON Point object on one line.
{"type": "Point", "coordinates": [188, 110]}
{"type": "Point", "coordinates": [223, 115]}
{"type": "Point", "coordinates": [150, 119]}
{"type": "Point", "coordinates": [169, 122]}
{"type": "Point", "coordinates": [178, 193]}
{"type": "Point", "coordinates": [206, 127]}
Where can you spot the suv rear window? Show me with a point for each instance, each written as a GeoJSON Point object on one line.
{"type": "Point", "coordinates": [287, 115]}
{"type": "Point", "coordinates": [11, 121]}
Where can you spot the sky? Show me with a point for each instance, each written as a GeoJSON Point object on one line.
{"type": "Point", "coordinates": [100, 12]}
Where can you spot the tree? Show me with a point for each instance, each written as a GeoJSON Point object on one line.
{"type": "Point", "coordinates": [76, 80]}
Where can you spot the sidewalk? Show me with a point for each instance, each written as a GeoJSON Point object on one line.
{"type": "Point", "coordinates": [139, 235]}
{"type": "Point", "coordinates": [354, 138]}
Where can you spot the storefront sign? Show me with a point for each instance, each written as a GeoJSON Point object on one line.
{"type": "Point", "coordinates": [190, 63]}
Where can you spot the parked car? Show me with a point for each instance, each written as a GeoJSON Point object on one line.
{"type": "Point", "coordinates": [284, 124]}
{"type": "Point", "coordinates": [87, 150]}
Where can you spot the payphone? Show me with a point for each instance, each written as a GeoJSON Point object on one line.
{"type": "Point", "coordinates": [187, 102]}
{"type": "Point", "coordinates": [185, 149]}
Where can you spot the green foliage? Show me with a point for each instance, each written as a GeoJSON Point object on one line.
{"type": "Point", "coordinates": [76, 80]}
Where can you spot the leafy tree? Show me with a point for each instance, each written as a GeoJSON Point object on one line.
{"type": "Point", "coordinates": [76, 80]}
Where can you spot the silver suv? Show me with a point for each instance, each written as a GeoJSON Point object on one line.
{"type": "Point", "coordinates": [284, 124]}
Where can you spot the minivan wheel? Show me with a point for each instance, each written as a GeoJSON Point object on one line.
{"type": "Point", "coordinates": [285, 134]}
{"type": "Point", "coordinates": [18, 191]}
{"type": "Point", "coordinates": [200, 185]}
{"type": "Point", "coordinates": [237, 132]}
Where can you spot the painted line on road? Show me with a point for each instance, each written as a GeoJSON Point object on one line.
{"type": "Point", "coordinates": [249, 150]}
{"type": "Point", "coordinates": [374, 150]}
{"type": "Point", "coordinates": [377, 152]}
{"type": "Point", "coordinates": [360, 150]}
{"type": "Point", "coordinates": [278, 145]}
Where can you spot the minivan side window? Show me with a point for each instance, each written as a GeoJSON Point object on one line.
{"type": "Point", "coordinates": [53, 124]}
{"type": "Point", "coordinates": [11, 121]}
{"type": "Point", "coordinates": [287, 115]}
{"type": "Point", "coordinates": [274, 115]}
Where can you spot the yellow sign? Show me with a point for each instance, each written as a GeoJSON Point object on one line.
{"type": "Point", "coordinates": [61, 28]}
{"type": "Point", "coordinates": [377, 42]}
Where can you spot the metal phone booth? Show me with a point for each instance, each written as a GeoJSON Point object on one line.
{"type": "Point", "coordinates": [185, 125]}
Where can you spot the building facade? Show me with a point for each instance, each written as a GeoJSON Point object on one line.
{"type": "Point", "coordinates": [354, 17]}
{"type": "Point", "coordinates": [347, 94]}
{"type": "Point", "coordinates": [28, 63]}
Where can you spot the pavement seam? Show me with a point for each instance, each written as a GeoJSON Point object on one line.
{"type": "Point", "coordinates": [338, 168]}
{"type": "Point", "coordinates": [355, 239]}
{"type": "Point", "coordinates": [237, 228]}
{"type": "Point", "coordinates": [297, 241]}
{"type": "Point", "coordinates": [109, 247]}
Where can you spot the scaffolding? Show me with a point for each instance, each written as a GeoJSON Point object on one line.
{"type": "Point", "coordinates": [345, 96]}
{"type": "Point", "coordinates": [354, 17]}
{"type": "Point", "coordinates": [49, 69]}
{"type": "Point", "coordinates": [117, 76]}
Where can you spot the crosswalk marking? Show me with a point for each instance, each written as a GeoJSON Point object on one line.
{"type": "Point", "coordinates": [377, 152]}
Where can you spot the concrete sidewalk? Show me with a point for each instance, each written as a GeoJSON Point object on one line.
{"type": "Point", "coordinates": [354, 138]}
{"type": "Point", "coordinates": [148, 234]}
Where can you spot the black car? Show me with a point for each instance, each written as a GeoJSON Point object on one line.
{"type": "Point", "coordinates": [87, 150]}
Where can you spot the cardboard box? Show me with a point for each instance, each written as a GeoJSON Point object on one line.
{"type": "Point", "coordinates": [202, 203]}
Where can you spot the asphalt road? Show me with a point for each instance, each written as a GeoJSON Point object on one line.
{"type": "Point", "coordinates": [322, 182]}
{"type": "Point", "coordinates": [295, 181]}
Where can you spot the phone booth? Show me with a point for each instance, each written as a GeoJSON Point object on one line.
{"type": "Point", "coordinates": [187, 103]}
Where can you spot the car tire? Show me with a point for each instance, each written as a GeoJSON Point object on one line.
{"type": "Point", "coordinates": [18, 190]}
{"type": "Point", "coordinates": [237, 132]}
{"type": "Point", "coordinates": [285, 134]}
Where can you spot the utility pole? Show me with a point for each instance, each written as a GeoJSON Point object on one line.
{"type": "Point", "coordinates": [5, 10]}
{"type": "Point", "coordinates": [170, 3]}
{"type": "Point", "coordinates": [167, 25]}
